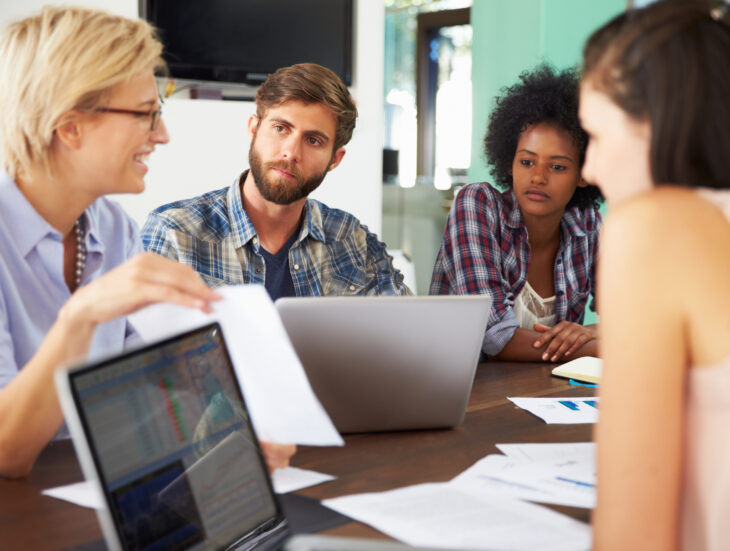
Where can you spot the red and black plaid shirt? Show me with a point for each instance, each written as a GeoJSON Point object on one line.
{"type": "Point", "coordinates": [485, 251]}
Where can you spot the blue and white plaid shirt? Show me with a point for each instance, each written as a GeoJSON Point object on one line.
{"type": "Point", "coordinates": [334, 253]}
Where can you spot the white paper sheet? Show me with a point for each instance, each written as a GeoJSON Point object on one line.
{"type": "Point", "coordinates": [80, 493]}
{"type": "Point", "coordinates": [291, 479]}
{"type": "Point", "coordinates": [444, 515]}
{"type": "Point", "coordinates": [281, 402]}
{"type": "Point", "coordinates": [561, 410]}
{"type": "Point", "coordinates": [549, 452]}
{"type": "Point", "coordinates": [288, 479]}
{"type": "Point", "coordinates": [570, 483]}
{"type": "Point", "coordinates": [488, 475]}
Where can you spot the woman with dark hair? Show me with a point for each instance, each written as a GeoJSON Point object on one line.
{"type": "Point", "coordinates": [655, 100]}
{"type": "Point", "coordinates": [532, 246]}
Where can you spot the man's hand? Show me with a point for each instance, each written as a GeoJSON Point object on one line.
{"type": "Point", "coordinates": [277, 455]}
{"type": "Point", "coordinates": [563, 339]}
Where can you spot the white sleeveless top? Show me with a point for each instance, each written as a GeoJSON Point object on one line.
{"type": "Point", "coordinates": [530, 308]}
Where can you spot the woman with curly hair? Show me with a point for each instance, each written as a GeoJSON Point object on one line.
{"type": "Point", "coordinates": [532, 246]}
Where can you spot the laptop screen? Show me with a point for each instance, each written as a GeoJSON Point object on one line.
{"type": "Point", "coordinates": [173, 445]}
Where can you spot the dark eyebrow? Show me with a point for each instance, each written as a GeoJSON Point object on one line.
{"type": "Point", "coordinates": [316, 133]}
{"type": "Point", "coordinates": [565, 157]}
{"type": "Point", "coordinates": [281, 121]}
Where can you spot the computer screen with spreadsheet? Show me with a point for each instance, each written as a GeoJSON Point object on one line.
{"type": "Point", "coordinates": [173, 446]}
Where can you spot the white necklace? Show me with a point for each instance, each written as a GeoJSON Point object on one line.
{"type": "Point", "coordinates": [80, 253]}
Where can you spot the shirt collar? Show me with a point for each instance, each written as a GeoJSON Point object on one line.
{"type": "Point", "coordinates": [91, 225]}
{"type": "Point", "coordinates": [513, 215]}
{"type": "Point", "coordinates": [572, 224]}
{"type": "Point", "coordinates": [27, 228]}
{"type": "Point", "coordinates": [243, 231]}
{"type": "Point", "coordinates": [313, 224]}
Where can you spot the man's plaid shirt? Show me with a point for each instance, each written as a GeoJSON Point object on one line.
{"type": "Point", "coordinates": [485, 251]}
{"type": "Point", "coordinates": [334, 253]}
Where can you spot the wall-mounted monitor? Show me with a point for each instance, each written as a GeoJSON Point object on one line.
{"type": "Point", "coordinates": [242, 41]}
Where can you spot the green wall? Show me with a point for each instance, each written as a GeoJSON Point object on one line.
{"type": "Point", "coordinates": [512, 36]}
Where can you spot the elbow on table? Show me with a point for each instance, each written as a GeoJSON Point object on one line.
{"type": "Point", "coordinates": [12, 463]}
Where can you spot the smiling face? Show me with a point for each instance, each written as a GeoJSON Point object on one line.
{"type": "Point", "coordinates": [291, 150]}
{"type": "Point", "coordinates": [617, 158]}
{"type": "Point", "coordinates": [545, 170]}
{"type": "Point", "coordinates": [114, 148]}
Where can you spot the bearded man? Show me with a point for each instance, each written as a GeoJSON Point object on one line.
{"type": "Point", "coordinates": [265, 228]}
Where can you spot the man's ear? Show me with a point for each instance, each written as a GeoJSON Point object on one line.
{"type": "Point", "coordinates": [69, 130]}
{"type": "Point", "coordinates": [253, 124]}
{"type": "Point", "coordinates": [336, 158]}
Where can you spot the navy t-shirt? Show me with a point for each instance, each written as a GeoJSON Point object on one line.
{"type": "Point", "coordinates": [278, 277]}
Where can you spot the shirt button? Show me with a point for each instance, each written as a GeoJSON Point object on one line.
{"type": "Point", "coordinates": [255, 240]}
{"type": "Point", "coordinates": [258, 270]}
{"type": "Point", "coordinates": [296, 266]}
{"type": "Point", "coordinates": [352, 287]}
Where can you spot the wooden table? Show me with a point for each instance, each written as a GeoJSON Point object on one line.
{"type": "Point", "coordinates": [368, 462]}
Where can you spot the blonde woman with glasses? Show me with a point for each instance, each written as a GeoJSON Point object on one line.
{"type": "Point", "coordinates": [79, 116]}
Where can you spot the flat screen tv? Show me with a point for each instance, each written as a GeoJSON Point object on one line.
{"type": "Point", "coordinates": [242, 41]}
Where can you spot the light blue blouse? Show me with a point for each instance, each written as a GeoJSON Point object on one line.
{"type": "Point", "coordinates": [32, 286]}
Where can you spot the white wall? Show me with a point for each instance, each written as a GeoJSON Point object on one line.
{"type": "Point", "coordinates": [209, 145]}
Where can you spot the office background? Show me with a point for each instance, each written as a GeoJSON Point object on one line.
{"type": "Point", "coordinates": [209, 146]}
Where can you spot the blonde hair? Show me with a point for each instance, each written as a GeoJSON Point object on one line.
{"type": "Point", "coordinates": [62, 59]}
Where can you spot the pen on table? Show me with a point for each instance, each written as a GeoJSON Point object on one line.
{"type": "Point", "coordinates": [574, 382]}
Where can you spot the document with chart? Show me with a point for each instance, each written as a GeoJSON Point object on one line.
{"type": "Point", "coordinates": [561, 410]}
{"type": "Point", "coordinates": [559, 474]}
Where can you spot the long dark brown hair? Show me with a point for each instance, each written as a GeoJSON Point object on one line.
{"type": "Point", "coordinates": [669, 64]}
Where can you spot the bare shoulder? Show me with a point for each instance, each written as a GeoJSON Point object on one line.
{"type": "Point", "coordinates": [672, 244]}
{"type": "Point", "coordinates": [670, 239]}
{"type": "Point", "coordinates": [668, 220]}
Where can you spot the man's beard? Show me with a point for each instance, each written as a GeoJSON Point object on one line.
{"type": "Point", "coordinates": [280, 191]}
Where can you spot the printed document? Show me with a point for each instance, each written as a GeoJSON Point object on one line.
{"type": "Point", "coordinates": [281, 402]}
{"type": "Point", "coordinates": [451, 517]}
{"type": "Point", "coordinates": [559, 474]}
{"type": "Point", "coordinates": [561, 410]}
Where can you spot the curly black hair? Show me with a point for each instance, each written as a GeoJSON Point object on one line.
{"type": "Point", "coordinates": [541, 96]}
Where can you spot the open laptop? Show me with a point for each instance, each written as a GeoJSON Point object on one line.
{"type": "Point", "coordinates": [389, 363]}
{"type": "Point", "coordinates": [164, 432]}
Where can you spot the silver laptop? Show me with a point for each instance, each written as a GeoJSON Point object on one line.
{"type": "Point", "coordinates": [164, 433]}
{"type": "Point", "coordinates": [389, 363]}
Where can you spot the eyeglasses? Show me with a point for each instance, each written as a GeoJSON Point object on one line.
{"type": "Point", "coordinates": [154, 115]}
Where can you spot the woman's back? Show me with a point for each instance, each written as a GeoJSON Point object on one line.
{"type": "Point", "coordinates": [665, 266]}
{"type": "Point", "coordinates": [706, 481]}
